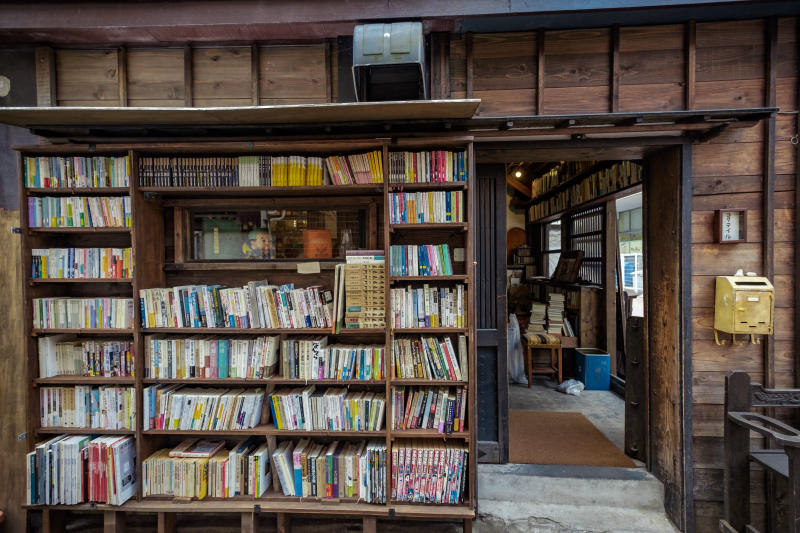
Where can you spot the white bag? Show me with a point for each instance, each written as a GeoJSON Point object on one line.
{"type": "Point", "coordinates": [571, 386]}
{"type": "Point", "coordinates": [516, 364]}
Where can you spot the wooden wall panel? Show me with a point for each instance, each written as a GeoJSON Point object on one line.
{"type": "Point", "coordinates": [221, 76]}
{"type": "Point", "coordinates": [504, 73]}
{"type": "Point", "coordinates": [577, 68]}
{"type": "Point", "coordinates": [156, 77]}
{"type": "Point", "coordinates": [651, 65]}
{"type": "Point", "coordinates": [458, 68]}
{"type": "Point", "coordinates": [292, 74]}
{"type": "Point", "coordinates": [87, 76]}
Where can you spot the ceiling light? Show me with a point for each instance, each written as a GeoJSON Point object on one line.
{"type": "Point", "coordinates": [518, 174]}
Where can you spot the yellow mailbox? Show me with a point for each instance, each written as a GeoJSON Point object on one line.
{"type": "Point", "coordinates": [743, 305]}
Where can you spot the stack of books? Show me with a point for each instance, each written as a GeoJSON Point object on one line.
{"type": "Point", "coordinates": [191, 408]}
{"type": "Point", "coordinates": [83, 313]}
{"type": "Point", "coordinates": [63, 355]}
{"type": "Point", "coordinates": [364, 286]}
{"type": "Point", "coordinates": [420, 260]}
{"type": "Point", "coordinates": [335, 409]}
{"type": "Point", "coordinates": [555, 313]}
{"type": "Point", "coordinates": [255, 305]}
{"type": "Point", "coordinates": [412, 462]}
{"type": "Point", "coordinates": [72, 469]}
{"type": "Point", "coordinates": [332, 470]}
{"type": "Point", "coordinates": [83, 406]}
{"type": "Point", "coordinates": [441, 409]}
{"type": "Point", "coordinates": [427, 167]}
{"type": "Point", "coordinates": [430, 358]}
{"type": "Point", "coordinates": [197, 469]}
{"type": "Point", "coordinates": [538, 320]}
{"type": "Point", "coordinates": [208, 357]}
{"type": "Point", "coordinates": [426, 207]}
{"type": "Point", "coordinates": [313, 359]}
{"type": "Point", "coordinates": [77, 171]}
{"type": "Point", "coordinates": [81, 263]}
{"type": "Point", "coordinates": [428, 307]}
{"type": "Point", "coordinates": [79, 212]}
{"type": "Point", "coordinates": [355, 169]}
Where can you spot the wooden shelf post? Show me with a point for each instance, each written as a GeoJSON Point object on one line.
{"type": "Point", "coordinates": [167, 523]}
{"type": "Point", "coordinates": [114, 522]}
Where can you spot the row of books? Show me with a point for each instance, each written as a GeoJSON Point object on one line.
{"type": "Point", "coordinates": [241, 171]}
{"type": "Point", "coordinates": [442, 409]}
{"type": "Point", "coordinates": [64, 355]}
{"type": "Point", "coordinates": [365, 295]}
{"type": "Point", "coordinates": [420, 260]}
{"type": "Point", "coordinates": [332, 470]}
{"type": "Point", "coordinates": [430, 358]}
{"type": "Point", "coordinates": [193, 408]}
{"type": "Point", "coordinates": [561, 173]}
{"type": "Point", "coordinates": [335, 409]}
{"type": "Point", "coordinates": [426, 207]}
{"type": "Point", "coordinates": [311, 359]}
{"type": "Point", "coordinates": [357, 168]}
{"type": "Point", "coordinates": [72, 469]}
{"type": "Point", "coordinates": [81, 263]}
{"type": "Point", "coordinates": [429, 472]}
{"type": "Point", "coordinates": [255, 305]}
{"type": "Point", "coordinates": [203, 468]}
{"type": "Point", "coordinates": [83, 406]}
{"type": "Point", "coordinates": [79, 212]}
{"type": "Point", "coordinates": [211, 357]}
{"type": "Point", "coordinates": [77, 171]}
{"type": "Point", "coordinates": [83, 313]}
{"type": "Point", "coordinates": [427, 167]}
{"type": "Point", "coordinates": [616, 177]}
{"type": "Point", "coordinates": [428, 307]}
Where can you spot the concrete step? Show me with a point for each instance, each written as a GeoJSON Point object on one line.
{"type": "Point", "coordinates": [560, 499]}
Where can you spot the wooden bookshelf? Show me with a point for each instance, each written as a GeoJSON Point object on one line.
{"type": "Point", "coordinates": [158, 238]}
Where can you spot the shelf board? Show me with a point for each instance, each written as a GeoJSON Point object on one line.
{"type": "Point", "coordinates": [263, 331]}
{"type": "Point", "coordinates": [426, 382]}
{"type": "Point", "coordinates": [78, 231]}
{"type": "Point", "coordinates": [85, 380]}
{"type": "Point", "coordinates": [436, 186]}
{"type": "Point", "coordinates": [76, 191]}
{"type": "Point", "coordinates": [84, 431]}
{"type": "Point", "coordinates": [454, 277]}
{"type": "Point", "coordinates": [265, 381]}
{"type": "Point", "coordinates": [429, 330]}
{"type": "Point", "coordinates": [310, 190]}
{"type": "Point", "coordinates": [82, 331]}
{"type": "Point", "coordinates": [455, 226]}
{"type": "Point", "coordinates": [428, 434]}
{"type": "Point", "coordinates": [45, 281]}
{"type": "Point", "coordinates": [328, 264]}
{"type": "Point", "coordinates": [267, 429]}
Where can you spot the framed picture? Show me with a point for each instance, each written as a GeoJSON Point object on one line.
{"type": "Point", "coordinates": [730, 225]}
{"type": "Point", "coordinates": [569, 264]}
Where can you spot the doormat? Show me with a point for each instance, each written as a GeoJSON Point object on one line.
{"type": "Point", "coordinates": [560, 438]}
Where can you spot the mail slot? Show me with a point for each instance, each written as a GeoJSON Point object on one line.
{"type": "Point", "coordinates": [744, 304]}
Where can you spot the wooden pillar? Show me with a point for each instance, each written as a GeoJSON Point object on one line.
{"type": "Point", "coordinates": [690, 61]}
{"type": "Point", "coordinates": [613, 97]}
{"type": "Point", "coordinates": [370, 524]}
{"type": "Point", "coordinates": [768, 196]}
{"type": "Point", "coordinates": [45, 59]}
{"type": "Point", "coordinates": [53, 521]}
{"type": "Point", "coordinates": [122, 75]}
{"type": "Point", "coordinates": [187, 76]}
{"type": "Point", "coordinates": [167, 523]}
{"type": "Point", "coordinates": [468, 525]}
{"type": "Point", "coordinates": [797, 227]}
{"type": "Point", "coordinates": [737, 451]}
{"type": "Point", "coordinates": [114, 522]}
{"type": "Point", "coordinates": [610, 282]}
{"type": "Point", "coordinates": [468, 57]}
{"type": "Point", "coordinates": [540, 72]}
{"type": "Point", "coordinates": [249, 522]}
{"type": "Point", "coordinates": [440, 65]}
{"type": "Point", "coordinates": [284, 523]}
{"type": "Point", "coordinates": [255, 77]}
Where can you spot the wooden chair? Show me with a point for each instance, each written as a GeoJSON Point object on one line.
{"type": "Point", "coordinates": [740, 397]}
{"type": "Point", "coordinates": [553, 368]}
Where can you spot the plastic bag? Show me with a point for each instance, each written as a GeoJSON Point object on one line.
{"type": "Point", "coordinates": [516, 365]}
{"type": "Point", "coordinates": [571, 386]}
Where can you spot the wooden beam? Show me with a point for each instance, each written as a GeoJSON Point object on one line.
{"type": "Point", "coordinates": [284, 523]}
{"type": "Point", "coordinates": [610, 282]}
{"type": "Point", "coordinates": [690, 61]}
{"type": "Point", "coordinates": [187, 76]}
{"type": "Point", "coordinates": [45, 76]}
{"type": "Point", "coordinates": [613, 97]}
{"type": "Point", "coordinates": [540, 72]}
{"type": "Point", "coordinates": [518, 185]}
{"type": "Point", "coordinates": [369, 524]}
{"type": "Point", "coordinates": [468, 55]}
{"type": "Point", "coordinates": [768, 197]}
{"type": "Point", "coordinates": [255, 76]}
{"type": "Point", "coordinates": [796, 278]}
{"type": "Point", "coordinates": [122, 75]}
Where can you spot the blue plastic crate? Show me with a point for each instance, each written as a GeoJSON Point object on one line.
{"type": "Point", "coordinates": [593, 367]}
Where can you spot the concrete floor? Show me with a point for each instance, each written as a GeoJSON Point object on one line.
{"type": "Point", "coordinates": [604, 409]}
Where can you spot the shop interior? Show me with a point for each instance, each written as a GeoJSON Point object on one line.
{"type": "Point", "coordinates": [576, 300]}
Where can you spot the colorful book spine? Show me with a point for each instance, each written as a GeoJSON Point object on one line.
{"type": "Point", "coordinates": [81, 263]}
{"type": "Point", "coordinates": [83, 313]}
{"type": "Point", "coordinates": [79, 212]}
{"type": "Point", "coordinates": [434, 207]}
{"type": "Point", "coordinates": [432, 473]}
{"type": "Point", "coordinates": [88, 407]}
{"type": "Point", "coordinates": [428, 307]}
{"type": "Point", "coordinates": [420, 260]}
{"type": "Point", "coordinates": [53, 172]}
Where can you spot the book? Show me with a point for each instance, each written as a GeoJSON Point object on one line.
{"type": "Point", "coordinates": [420, 260]}
{"type": "Point", "coordinates": [426, 207]}
{"type": "Point", "coordinates": [211, 357]}
{"type": "Point", "coordinates": [428, 307]}
{"type": "Point", "coordinates": [53, 172]}
{"type": "Point", "coordinates": [331, 409]}
{"type": "Point", "coordinates": [312, 359]}
{"type": "Point", "coordinates": [364, 294]}
{"type": "Point", "coordinates": [197, 448]}
{"type": "Point", "coordinates": [415, 464]}
{"type": "Point", "coordinates": [207, 409]}
{"type": "Point", "coordinates": [83, 313]}
{"type": "Point", "coordinates": [431, 408]}
{"type": "Point", "coordinates": [428, 358]}
{"type": "Point", "coordinates": [81, 263]}
{"type": "Point", "coordinates": [61, 355]}
{"type": "Point", "coordinates": [84, 406]}
{"type": "Point", "coordinates": [79, 212]}
{"type": "Point", "coordinates": [434, 166]}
